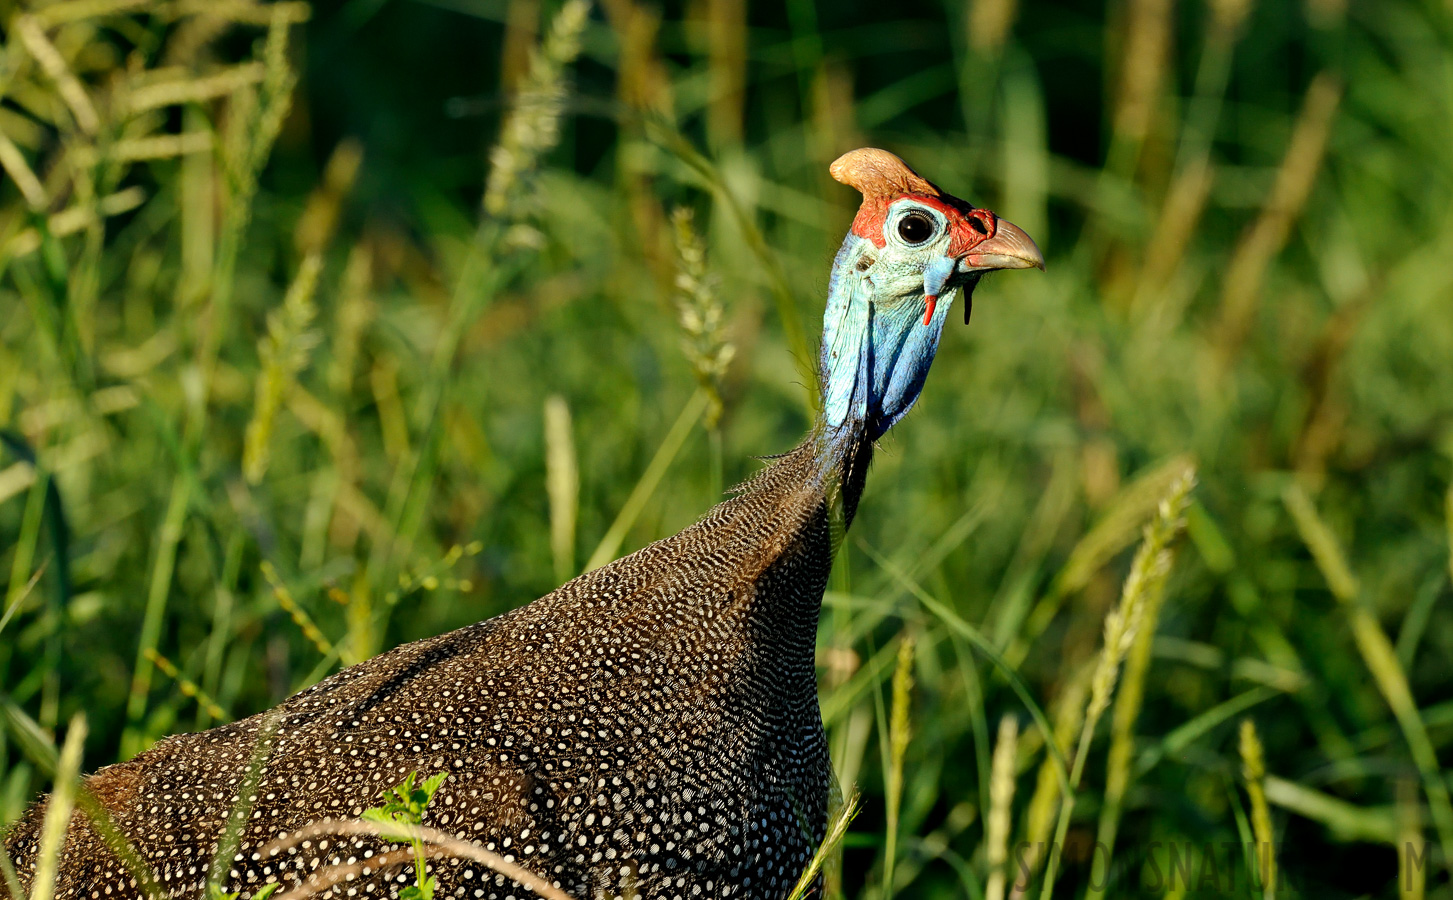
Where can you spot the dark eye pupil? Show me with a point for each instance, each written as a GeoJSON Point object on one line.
{"type": "Point", "coordinates": [915, 228]}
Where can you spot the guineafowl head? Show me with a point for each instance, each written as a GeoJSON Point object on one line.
{"type": "Point", "coordinates": [911, 250]}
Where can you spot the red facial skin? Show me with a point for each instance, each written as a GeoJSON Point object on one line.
{"type": "Point", "coordinates": [968, 226]}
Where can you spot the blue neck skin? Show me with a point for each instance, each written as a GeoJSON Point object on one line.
{"type": "Point", "coordinates": [876, 349]}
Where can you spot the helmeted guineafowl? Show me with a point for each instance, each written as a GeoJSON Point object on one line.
{"type": "Point", "coordinates": [649, 729]}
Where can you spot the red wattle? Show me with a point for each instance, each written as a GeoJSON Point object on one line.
{"type": "Point", "coordinates": [928, 313]}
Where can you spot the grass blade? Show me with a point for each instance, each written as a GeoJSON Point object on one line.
{"type": "Point", "coordinates": [1347, 821]}
{"type": "Point", "coordinates": [562, 484]}
{"type": "Point", "coordinates": [1148, 573]}
{"type": "Point", "coordinates": [1253, 769]}
{"type": "Point", "coordinates": [1379, 655]}
{"type": "Point", "coordinates": [58, 812]}
{"type": "Point", "coordinates": [984, 646]}
{"type": "Point", "coordinates": [836, 830]}
{"type": "Point", "coordinates": [1001, 799]}
{"type": "Point", "coordinates": [133, 739]}
{"type": "Point", "coordinates": [1185, 735]}
{"type": "Point", "coordinates": [650, 479]}
{"type": "Point", "coordinates": [898, 735]}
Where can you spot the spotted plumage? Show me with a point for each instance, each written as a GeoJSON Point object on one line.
{"type": "Point", "coordinates": [650, 729]}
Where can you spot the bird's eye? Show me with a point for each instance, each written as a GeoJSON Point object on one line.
{"type": "Point", "coordinates": [915, 228]}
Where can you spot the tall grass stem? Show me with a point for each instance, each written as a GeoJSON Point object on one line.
{"type": "Point", "coordinates": [1001, 800]}
{"type": "Point", "coordinates": [1379, 655]}
{"type": "Point", "coordinates": [1148, 572]}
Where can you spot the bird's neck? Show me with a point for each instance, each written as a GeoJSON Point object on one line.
{"type": "Point", "coordinates": [878, 343]}
{"type": "Point", "coordinates": [840, 457]}
{"type": "Point", "coordinates": [852, 475]}
{"type": "Point", "coordinates": [877, 347]}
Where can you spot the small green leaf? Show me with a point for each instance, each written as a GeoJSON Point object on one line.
{"type": "Point", "coordinates": [431, 785]}
{"type": "Point", "coordinates": [394, 827]}
{"type": "Point", "coordinates": [422, 891]}
{"type": "Point", "coordinates": [403, 810]}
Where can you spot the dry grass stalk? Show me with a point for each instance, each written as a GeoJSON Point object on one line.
{"type": "Point", "coordinates": [256, 115]}
{"type": "Point", "coordinates": [1145, 59]}
{"type": "Point", "coordinates": [1322, 544]}
{"type": "Point", "coordinates": [330, 427]}
{"type": "Point", "coordinates": [1044, 802]}
{"type": "Point", "coordinates": [393, 421]}
{"type": "Point", "coordinates": [1122, 741]}
{"type": "Point", "coordinates": [1148, 572]}
{"type": "Point", "coordinates": [834, 112]}
{"type": "Point", "coordinates": [1120, 524]}
{"type": "Point", "coordinates": [1184, 202]}
{"type": "Point", "coordinates": [1115, 531]}
{"type": "Point", "coordinates": [643, 85]}
{"type": "Point", "coordinates": [1253, 769]}
{"type": "Point", "coordinates": [58, 812]}
{"type": "Point", "coordinates": [1326, 13]}
{"type": "Point", "coordinates": [278, 82]}
{"type": "Point", "coordinates": [160, 146]}
{"type": "Point", "coordinates": [532, 127]}
{"type": "Point", "coordinates": [701, 314]}
{"type": "Point", "coordinates": [989, 24]}
{"type": "Point", "coordinates": [246, 796]}
{"type": "Point", "coordinates": [726, 27]}
{"type": "Point", "coordinates": [643, 82]}
{"type": "Point", "coordinates": [1190, 187]}
{"type": "Point", "coordinates": [562, 484]}
{"type": "Point", "coordinates": [1001, 801]}
{"type": "Point", "coordinates": [325, 516]}
{"type": "Point", "coordinates": [1377, 653]}
{"type": "Point", "coordinates": [522, 29]}
{"type": "Point", "coordinates": [80, 10]}
{"type": "Point", "coordinates": [299, 615]}
{"type": "Point", "coordinates": [1265, 238]}
{"type": "Point", "coordinates": [1230, 14]}
{"type": "Point", "coordinates": [354, 313]}
{"type": "Point", "coordinates": [1324, 428]}
{"type": "Point", "coordinates": [187, 686]}
{"type": "Point", "coordinates": [1411, 844]}
{"type": "Point", "coordinates": [440, 845]}
{"type": "Point", "coordinates": [899, 732]}
{"type": "Point", "coordinates": [192, 37]}
{"type": "Point", "coordinates": [837, 829]}
{"type": "Point", "coordinates": [32, 36]}
{"type": "Point", "coordinates": [13, 161]}
{"type": "Point", "coordinates": [255, 118]}
{"type": "Point", "coordinates": [244, 12]}
{"type": "Point", "coordinates": [284, 352]}
{"type": "Point", "coordinates": [1147, 575]}
{"type": "Point", "coordinates": [203, 21]}
{"type": "Point", "coordinates": [320, 217]}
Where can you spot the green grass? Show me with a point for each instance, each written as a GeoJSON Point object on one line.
{"type": "Point", "coordinates": [288, 377]}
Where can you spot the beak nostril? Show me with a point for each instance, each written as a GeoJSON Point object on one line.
{"type": "Point", "coordinates": [976, 221]}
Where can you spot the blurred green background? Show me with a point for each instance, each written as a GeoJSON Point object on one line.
{"type": "Point", "coordinates": [327, 328]}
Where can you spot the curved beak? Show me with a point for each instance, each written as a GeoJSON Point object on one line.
{"type": "Point", "coordinates": [1009, 248]}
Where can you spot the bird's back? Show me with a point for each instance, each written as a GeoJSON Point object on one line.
{"type": "Point", "coordinates": [651, 726]}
